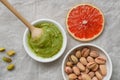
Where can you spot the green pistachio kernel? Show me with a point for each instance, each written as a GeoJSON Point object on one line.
{"type": "Point", "coordinates": [11, 53]}
{"type": "Point", "coordinates": [7, 59]}
{"type": "Point", "coordinates": [10, 67]}
{"type": "Point", "coordinates": [2, 49]}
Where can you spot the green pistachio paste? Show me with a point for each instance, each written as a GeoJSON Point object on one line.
{"type": "Point", "coordinates": [49, 43]}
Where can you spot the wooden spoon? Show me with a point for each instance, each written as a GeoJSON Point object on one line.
{"type": "Point", "coordinates": [35, 32]}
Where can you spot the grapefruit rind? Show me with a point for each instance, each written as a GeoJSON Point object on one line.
{"type": "Point", "coordinates": [84, 39]}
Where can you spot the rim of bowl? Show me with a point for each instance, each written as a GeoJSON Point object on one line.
{"type": "Point", "coordinates": [87, 44]}
{"type": "Point", "coordinates": [40, 59]}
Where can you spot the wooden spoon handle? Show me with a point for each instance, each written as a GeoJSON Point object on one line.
{"type": "Point", "coordinates": [17, 14]}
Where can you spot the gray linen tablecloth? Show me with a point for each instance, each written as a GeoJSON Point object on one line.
{"type": "Point", "coordinates": [12, 29]}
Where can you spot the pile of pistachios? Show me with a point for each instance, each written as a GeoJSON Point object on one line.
{"type": "Point", "coordinates": [8, 59]}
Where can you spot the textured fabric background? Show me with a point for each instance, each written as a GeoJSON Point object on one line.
{"type": "Point", "coordinates": [12, 29]}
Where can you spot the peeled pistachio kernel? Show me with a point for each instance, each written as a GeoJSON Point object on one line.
{"type": "Point", "coordinates": [11, 53]}
{"type": "Point", "coordinates": [10, 67]}
{"type": "Point", "coordinates": [2, 49]}
{"type": "Point", "coordinates": [7, 59]}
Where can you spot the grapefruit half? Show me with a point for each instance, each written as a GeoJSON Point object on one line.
{"type": "Point", "coordinates": [85, 22]}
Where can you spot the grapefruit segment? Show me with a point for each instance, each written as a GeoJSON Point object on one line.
{"type": "Point", "coordinates": [85, 22]}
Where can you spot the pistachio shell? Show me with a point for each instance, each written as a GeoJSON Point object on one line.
{"type": "Point", "coordinates": [85, 52]}
{"type": "Point", "coordinates": [83, 60]}
{"type": "Point", "coordinates": [78, 54]}
{"type": "Point", "coordinates": [68, 70]}
{"type": "Point", "coordinates": [98, 75]}
{"type": "Point", "coordinates": [95, 68]}
{"type": "Point", "coordinates": [86, 77]}
{"type": "Point", "coordinates": [72, 76]}
{"type": "Point", "coordinates": [91, 65]}
{"type": "Point", "coordinates": [90, 59]}
{"type": "Point", "coordinates": [81, 66]}
{"type": "Point", "coordinates": [79, 77]}
{"type": "Point", "coordinates": [103, 70]}
{"type": "Point", "coordinates": [100, 60]}
{"type": "Point", "coordinates": [74, 59]}
{"type": "Point", "coordinates": [86, 70]}
{"type": "Point", "coordinates": [91, 74]}
{"type": "Point", "coordinates": [76, 70]}
{"type": "Point", "coordinates": [94, 78]}
{"type": "Point", "coordinates": [70, 64]}
{"type": "Point", "coordinates": [94, 54]}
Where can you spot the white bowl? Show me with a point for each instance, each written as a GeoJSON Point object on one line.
{"type": "Point", "coordinates": [94, 47]}
{"type": "Point", "coordinates": [40, 59]}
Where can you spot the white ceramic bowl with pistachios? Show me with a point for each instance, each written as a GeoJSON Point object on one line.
{"type": "Point", "coordinates": [87, 62]}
